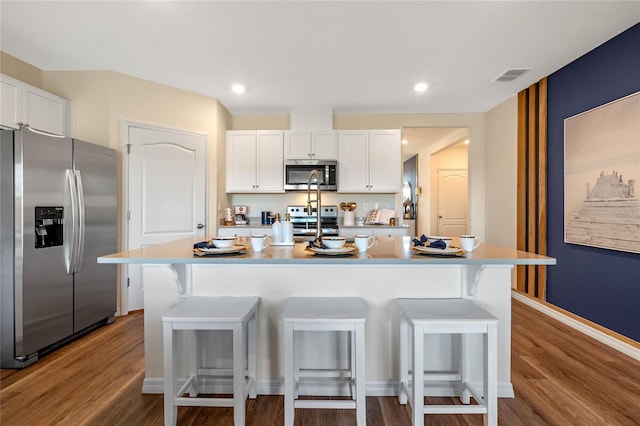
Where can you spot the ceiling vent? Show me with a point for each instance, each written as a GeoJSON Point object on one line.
{"type": "Point", "coordinates": [511, 74]}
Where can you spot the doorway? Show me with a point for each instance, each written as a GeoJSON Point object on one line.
{"type": "Point", "coordinates": [437, 148]}
{"type": "Point", "coordinates": [164, 194]}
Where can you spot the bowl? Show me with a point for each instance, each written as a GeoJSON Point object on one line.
{"type": "Point", "coordinates": [223, 242]}
{"type": "Point", "coordinates": [334, 242]}
{"type": "Point", "coordinates": [432, 238]}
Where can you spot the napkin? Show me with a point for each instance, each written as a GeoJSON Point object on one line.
{"type": "Point", "coordinates": [439, 244]}
{"type": "Point", "coordinates": [317, 243]}
{"type": "Point", "coordinates": [202, 244]}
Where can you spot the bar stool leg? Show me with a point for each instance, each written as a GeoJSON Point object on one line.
{"type": "Point", "coordinates": [192, 340]}
{"type": "Point", "coordinates": [352, 364]}
{"type": "Point", "coordinates": [404, 361]}
{"type": "Point", "coordinates": [465, 346]}
{"type": "Point", "coordinates": [251, 355]}
{"type": "Point", "coordinates": [490, 343]}
{"type": "Point", "coordinates": [361, 411]}
{"type": "Point", "coordinates": [288, 374]}
{"type": "Point", "coordinates": [238, 375]}
{"type": "Point", "coordinates": [170, 409]}
{"type": "Point", "coordinates": [418, 376]}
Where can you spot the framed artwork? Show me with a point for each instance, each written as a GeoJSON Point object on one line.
{"type": "Point", "coordinates": [602, 176]}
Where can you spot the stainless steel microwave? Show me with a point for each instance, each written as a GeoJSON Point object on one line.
{"type": "Point", "coordinates": [296, 174]}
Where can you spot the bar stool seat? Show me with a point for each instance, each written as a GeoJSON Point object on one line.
{"type": "Point", "coordinates": [324, 314]}
{"type": "Point", "coordinates": [447, 316]}
{"type": "Point", "coordinates": [193, 317]}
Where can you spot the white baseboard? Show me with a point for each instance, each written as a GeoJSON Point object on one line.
{"type": "Point", "coordinates": [608, 340]}
{"type": "Point", "coordinates": [276, 387]}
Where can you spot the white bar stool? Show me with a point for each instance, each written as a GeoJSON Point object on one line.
{"type": "Point", "coordinates": [194, 316]}
{"type": "Point", "coordinates": [447, 316]}
{"type": "Point", "coordinates": [324, 314]}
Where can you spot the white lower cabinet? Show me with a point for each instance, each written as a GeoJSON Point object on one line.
{"type": "Point", "coordinates": [350, 232]}
{"type": "Point", "coordinates": [244, 232]}
{"type": "Point", "coordinates": [376, 232]}
{"type": "Point", "coordinates": [26, 104]}
{"type": "Point", "coordinates": [390, 232]}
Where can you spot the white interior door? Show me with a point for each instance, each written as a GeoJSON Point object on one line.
{"type": "Point", "coordinates": [452, 202]}
{"type": "Point", "coordinates": [166, 190]}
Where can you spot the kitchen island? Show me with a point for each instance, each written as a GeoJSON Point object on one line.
{"type": "Point", "coordinates": [389, 270]}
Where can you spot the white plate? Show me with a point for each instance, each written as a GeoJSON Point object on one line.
{"type": "Point", "coordinates": [215, 250]}
{"type": "Point", "coordinates": [449, 251]}
{"type": "Point", "coordinates": [334, 251]}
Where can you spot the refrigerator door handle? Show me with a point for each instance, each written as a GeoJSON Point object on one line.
{"type": "Point", "coordinates": [70, 232]}
{"type": "Point", "coordinates": [42, 132]}
{"type": "Point", "coordinates": [81, 222]}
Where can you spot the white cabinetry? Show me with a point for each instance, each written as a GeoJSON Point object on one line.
{"type": "Point", "coordinates": [351, 232]}
{"type": "Point", "coordinates": [239, 231]}
{"type": "Point", "coordinates": [390, 232]}
{"type": "Point", "coordinates": [11, 112]}
{"type": "Point", "coordinates": [26, 104]}
{"type": "Point", "coordinates": [306, 145]}
{"type": "Point", "coordinates": [376, 232]}
{"type": "Point", "coordinates": [255, 161]}
{"type": "Point", "coordinates": [369, 161]}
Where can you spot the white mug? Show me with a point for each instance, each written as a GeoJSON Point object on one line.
{"type": "Point", "coordinates": [260, 242]}
{"type": "Point", "coordinates": [469, 243]}
{"type": "Point", "coordinates": [364, 242]}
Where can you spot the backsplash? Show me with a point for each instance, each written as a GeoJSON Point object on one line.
{"type": "Point", "coordinates": [277, 203]}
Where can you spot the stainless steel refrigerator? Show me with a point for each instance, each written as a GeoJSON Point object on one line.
{"type": "Point", "coordinates": [57, 215]}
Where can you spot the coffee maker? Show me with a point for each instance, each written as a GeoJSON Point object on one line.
{"type": "Point", "coordinates": [241, 214]}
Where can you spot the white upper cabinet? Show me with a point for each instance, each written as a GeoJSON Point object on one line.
{"type": "Point", "coordinates": [385, 161]}
{"type": "Point", "coordinates": [26, 104]}
{"type": "Point", "coordinates": [369, 161]}
{"type": "Point", "coordinates": [11, 112]}
{"type": "Point", "coordinates": [353, 166]}
{"type": "Point", "coordinates": [255, 161]}
{"type": "Point", "coordinates": [308, 145]}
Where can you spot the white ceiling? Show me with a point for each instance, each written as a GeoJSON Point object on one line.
{"type": "Point", "coordinates": [351, 56]}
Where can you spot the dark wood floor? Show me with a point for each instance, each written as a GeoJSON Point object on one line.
{"type": "Point", "coordinates": [560, 376]}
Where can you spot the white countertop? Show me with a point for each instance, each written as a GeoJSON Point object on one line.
{"type": "Point", "coordinates": [386, 251]}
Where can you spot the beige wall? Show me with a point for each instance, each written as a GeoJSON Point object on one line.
{"type": "Point", "coordinates": [20, 70]}
{"type": "Point", "coordinates": [260, 122]}
{"type": "Point", "coordinates": [501, 173]}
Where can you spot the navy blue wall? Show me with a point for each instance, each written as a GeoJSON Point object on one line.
{"type": "Point", "coordinates": [600, 285]}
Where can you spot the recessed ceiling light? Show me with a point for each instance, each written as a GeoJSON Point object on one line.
{"type": "Point", "coordinates": [238, 88]}
{"type": "Point", "coordinates": [420, 87]}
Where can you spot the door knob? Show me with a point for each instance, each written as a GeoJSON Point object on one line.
{"type": "Point", "coordinates": [439, 216]}
{"type": "Point", "coordinates": [200, 226]}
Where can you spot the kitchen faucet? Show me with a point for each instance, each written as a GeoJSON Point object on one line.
{"type": "Point", "coordinates": [317, 201]}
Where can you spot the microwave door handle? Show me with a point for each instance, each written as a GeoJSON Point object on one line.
{"type": "Point", "coordinates": [326, 175]}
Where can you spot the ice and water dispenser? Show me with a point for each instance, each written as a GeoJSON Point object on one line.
{"type": "Point", "coordinates": [49, 226]}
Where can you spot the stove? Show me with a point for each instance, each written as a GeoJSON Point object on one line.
{"type": "Point", "coordinates": [305, 224]}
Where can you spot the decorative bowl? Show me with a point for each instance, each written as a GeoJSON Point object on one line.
{"type": "Point", "coordinates": [223, 242]}
{"type": "Point", "coordinates": [334, 242]}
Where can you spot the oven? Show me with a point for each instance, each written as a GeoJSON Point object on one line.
{"type": "Point", "coordinates": [305, 224]}
{"type": "Point", "coordinates": [296, 174]}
